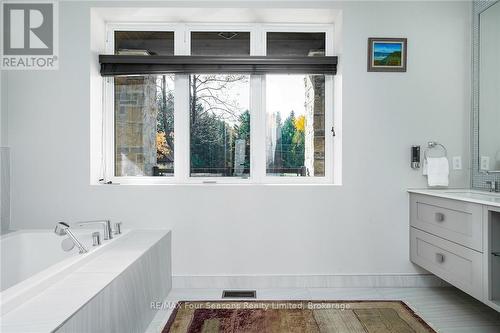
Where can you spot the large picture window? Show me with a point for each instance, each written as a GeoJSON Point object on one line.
{"type": "Point", "coordinates": [230, 127]}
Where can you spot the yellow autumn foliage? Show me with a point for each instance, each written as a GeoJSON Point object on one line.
{"type": "Point", "coordinates": [300, 123]}
{"type": "Point", "coordinates": [162, 148]}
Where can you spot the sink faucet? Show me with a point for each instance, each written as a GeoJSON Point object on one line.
{"type": "Point", "coordinates": [62, 229]}
{"type": "Point", "coordinates": [108, 234]}
{"type": "Point", "coordinates": [494, 186]}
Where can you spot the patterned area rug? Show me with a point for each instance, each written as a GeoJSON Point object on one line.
{"type": "Point", "coordinates": [295, 316]}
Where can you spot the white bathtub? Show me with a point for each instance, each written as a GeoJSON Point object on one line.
{"type": "Point", "coordinates": [49, 290]}
{"type": "Point", "coordinates": [32, 260]}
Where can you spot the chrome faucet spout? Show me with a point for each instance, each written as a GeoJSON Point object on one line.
{"type": "Point", "coordinates": [108, 234]}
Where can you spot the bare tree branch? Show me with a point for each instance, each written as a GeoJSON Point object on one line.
{"type": "Point", "coordinates": [211, 91]}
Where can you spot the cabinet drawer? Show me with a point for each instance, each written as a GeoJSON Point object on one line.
{"type": "Point", "coordinates": [454, 263]}
{"type": "Point", "coordinates": [457, 221]}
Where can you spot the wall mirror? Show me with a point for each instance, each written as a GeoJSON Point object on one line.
{"type": "Point", "coordinates": [489, 90]}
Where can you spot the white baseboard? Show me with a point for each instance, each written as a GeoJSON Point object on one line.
{"type": "Point", "coordinates": [308, 281]}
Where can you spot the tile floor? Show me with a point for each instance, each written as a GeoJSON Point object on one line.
{"type": "Point", "coordinates": [445, 309]}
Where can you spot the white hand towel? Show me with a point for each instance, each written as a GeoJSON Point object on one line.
{"type": "Point", "coordinates": [438, 170]}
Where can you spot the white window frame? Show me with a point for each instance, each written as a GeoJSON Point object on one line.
{"type": "Point", "coordinates": [109, 106]}
{"type": "Point", "coordinates": [329, 51]}
{"type": "Point", "coordinates": [182, 46]}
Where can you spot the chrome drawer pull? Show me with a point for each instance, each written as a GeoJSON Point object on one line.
{"type": "Point", "coordinates": [440, 257]}
{"type": "Point", "coordinates": [439, 217]}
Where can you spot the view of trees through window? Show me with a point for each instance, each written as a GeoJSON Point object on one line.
{"type": "Point", "coordinates": [144, 109]}
{"type": "Point", "coordinates": [295, 142]}
{"type": "Point", "coordinates": [144, 125]}
{"type": "Point", "coordinates": [220, 125]}
{"type": "Point", "coordinates": [219, 110]}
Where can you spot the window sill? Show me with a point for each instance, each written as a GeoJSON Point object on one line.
{"type": "Point", "coordinates": [219, 184]}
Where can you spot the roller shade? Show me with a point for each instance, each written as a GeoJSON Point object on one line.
{"type": "Point", "coordinates": [112, 65]}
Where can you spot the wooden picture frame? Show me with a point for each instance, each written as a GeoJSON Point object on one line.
{"type": "Point", "coordinates": [387, 54]}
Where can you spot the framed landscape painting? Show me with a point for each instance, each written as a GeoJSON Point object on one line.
{"type": "Point", "coordinates": [386, 54]}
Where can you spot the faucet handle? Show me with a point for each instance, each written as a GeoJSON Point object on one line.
{"type": "Point", "coordinates": [96, 238]}
{"type": "Point", "coordinates": [117, 228]}
{"type": "Point", "coordinates": [493, 185]}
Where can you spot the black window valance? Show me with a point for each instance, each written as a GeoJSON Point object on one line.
{"type": "Point", "coordinates": [112, 65]}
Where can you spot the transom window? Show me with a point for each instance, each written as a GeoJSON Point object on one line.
{"type": "Point", "coordinates": [219, 127]}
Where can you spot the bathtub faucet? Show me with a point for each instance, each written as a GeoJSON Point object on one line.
{"type": "Point", "coordinates": [62, 229]}
{"type": "Point", "coordinates": [108, 234]}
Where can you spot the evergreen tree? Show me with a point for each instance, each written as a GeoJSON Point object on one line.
{"type": "Point", "coordinates": [298, 142]}
{"type": "Point", "coordinates": [287, 134]}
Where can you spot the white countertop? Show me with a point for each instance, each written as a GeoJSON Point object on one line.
{"type": "Point", "coordinates": [475, 196]}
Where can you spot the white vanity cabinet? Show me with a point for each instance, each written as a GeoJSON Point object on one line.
{"type": "Point", "coordinates": [456, 236]}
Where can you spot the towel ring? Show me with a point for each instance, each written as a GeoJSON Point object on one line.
{"type": "Point", "coordinates": [434, 144]}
